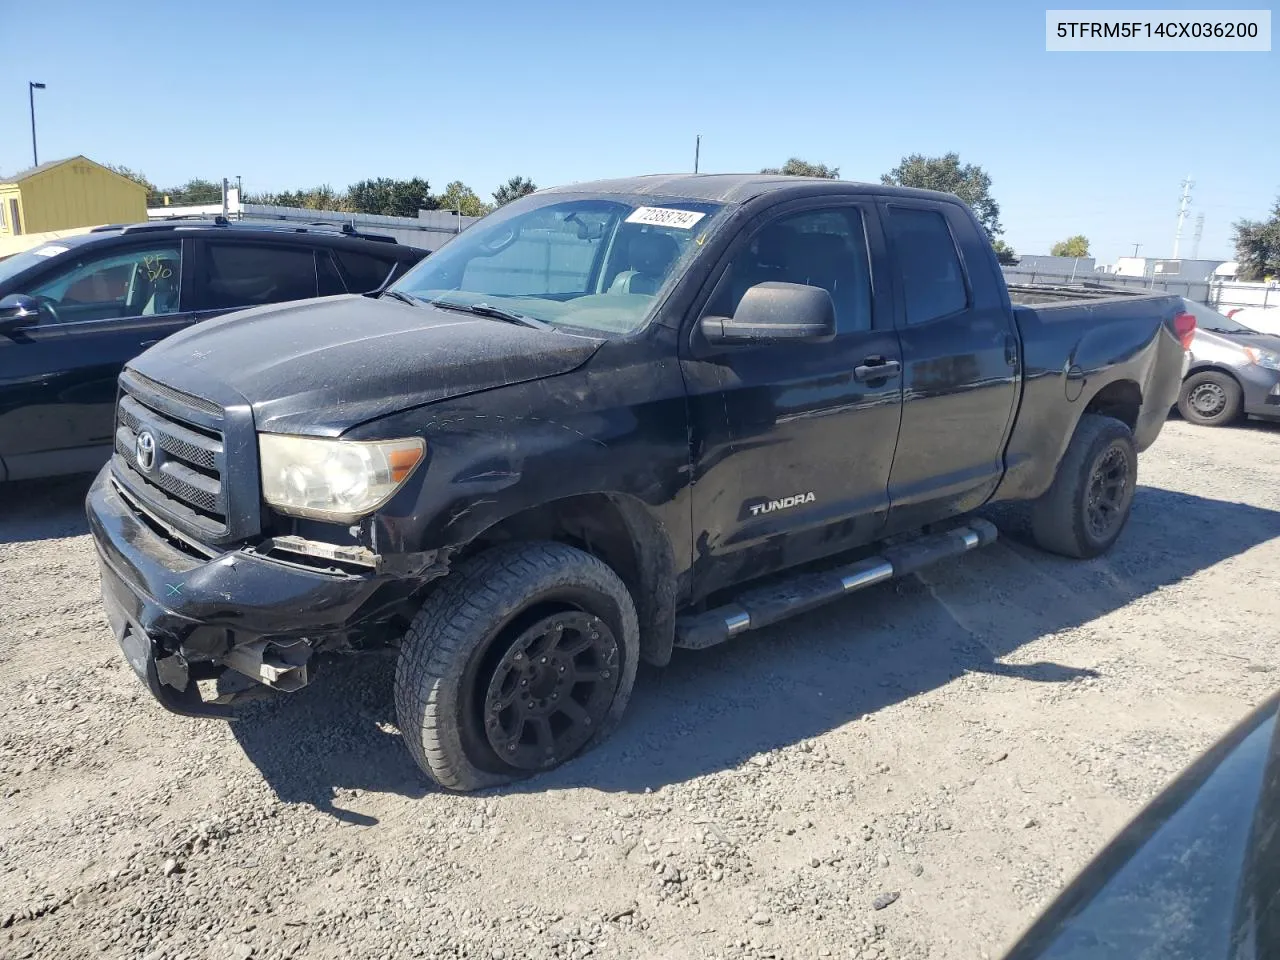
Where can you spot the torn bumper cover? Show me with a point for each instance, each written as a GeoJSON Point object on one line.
{"type": "Point", "coordinates": [180, 618]}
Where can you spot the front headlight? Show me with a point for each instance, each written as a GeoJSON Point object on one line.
{"type": "Point", "coordinates": [339, 480]}
{"type": "Point", "coordinates": [1263, 358]}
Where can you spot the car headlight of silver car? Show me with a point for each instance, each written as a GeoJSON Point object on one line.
{"type": "Point", "coordinates": [340, 480]}
{"type": "Point", "coordinates": [1263, 358]}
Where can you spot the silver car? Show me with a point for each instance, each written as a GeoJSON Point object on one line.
{"type": "Point", "coordinates": [1232, 370]}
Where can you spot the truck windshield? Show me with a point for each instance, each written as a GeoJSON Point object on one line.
{"type": "Point", "coordinates": [595, 263]}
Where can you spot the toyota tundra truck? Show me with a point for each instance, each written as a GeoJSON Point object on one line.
{"type": "Point", "coordinates": [609, 420]}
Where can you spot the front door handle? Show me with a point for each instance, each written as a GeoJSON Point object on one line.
{"type": "Point", "coordinates": [877, 368]}
{"type": "Point", "coordinates": [148, 343]}
{"type": "Point", "coordinates": [1010, 350]}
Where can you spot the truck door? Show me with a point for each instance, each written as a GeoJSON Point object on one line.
{"type": "Point", "coordinates": [793, 442]}
{"type": "Point", "coordinates": [960, 363]}
{"type": "Point", "coordinates": [58, 387]}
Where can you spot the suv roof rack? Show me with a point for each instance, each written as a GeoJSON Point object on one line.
{"type": "Point", "coordinates": [278, 224]}
{"type": "Point", "coordinates": [346, 228]}
{"type": "Point", "coordinates": [169, 223]}
{"type": "Point", "coordinates": [218, 219]}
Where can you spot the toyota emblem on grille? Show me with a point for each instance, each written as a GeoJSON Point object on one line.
{"type": "Point", "coordinates": [145, 450]}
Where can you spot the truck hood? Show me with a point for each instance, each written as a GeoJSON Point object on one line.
{"type": "Point", "coordinates": [320, 367]}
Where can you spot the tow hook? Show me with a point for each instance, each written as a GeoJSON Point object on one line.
{"type": "Point", "coordinates": [277, 664]}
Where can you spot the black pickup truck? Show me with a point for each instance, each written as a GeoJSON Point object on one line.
{"type": "Point", "coordinates": [608, 420]}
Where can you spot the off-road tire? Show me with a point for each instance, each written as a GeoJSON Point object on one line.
{"type": "Point", "coordinates": [469, 616]}
{"type": "Point", "coordinates": [1060, 520]}
{"type": "Point", "coordinates": [1221, 388]}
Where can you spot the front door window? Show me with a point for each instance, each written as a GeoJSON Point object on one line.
{"type": "Point", "coordinates": [141, 282]}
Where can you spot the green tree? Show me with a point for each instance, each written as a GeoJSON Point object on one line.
{"type": "Point", "coordinates": [323, 197]}
{"type": "Point", "coordinates": [513, 189]}
{"type": "Point", "coordinates": [389, 197]}
{"type": "Point", "coordinates": [969, 182]}
{"type": "Point", "coordinates": [192, 192]}
{"type": "Point", "coordinates": [1258, 246]}
{"type": "Point", "coordinates": [1077, 246]}
{"type": "Point", "coordinates": [458, 196]}
{"type": "Point", "coordinates": [136, 176]}
{"type": "Point", "coordinates": [1005, 254]}
{"type": "Point", "coordinates": [795, 167]}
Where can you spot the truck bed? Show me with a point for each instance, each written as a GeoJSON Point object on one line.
{"type": "Point", "coordinates": [1071, 337]}
{"type": "Point", "coordinates": [1047, 294]}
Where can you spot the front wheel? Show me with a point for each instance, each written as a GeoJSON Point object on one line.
{"type": "Point", "coordinates": [1088, 504]}
{"type": "Point", "coordinates": [521, 658]}
{"type": "Point", "coordinates": [1211, 399]}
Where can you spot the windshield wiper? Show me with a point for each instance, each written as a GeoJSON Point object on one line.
{"type": "Point", "coordinates": [497, 313]}
{"type": "Point", "coordinates": [405, 298]}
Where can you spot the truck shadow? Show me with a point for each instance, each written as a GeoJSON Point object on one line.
{"type": "Point", "coordinates": [335, 736]}
{"type": "Point", "coordinates": [43, 509]}
{"type": "Point", "coordinates": [711, 710]}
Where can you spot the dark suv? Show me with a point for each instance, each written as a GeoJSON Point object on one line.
{"type": "Point", "coordinates": [72, 312]}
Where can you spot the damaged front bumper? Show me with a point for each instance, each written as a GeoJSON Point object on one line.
{"type": "Point", "coordinates": [181, 618]}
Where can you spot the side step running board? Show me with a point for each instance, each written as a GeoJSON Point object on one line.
{"type": "Point", "coordinates": [768, 604]}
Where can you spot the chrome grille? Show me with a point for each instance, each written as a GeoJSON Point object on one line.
{"type": "Point", "coordinates": [184, 475]}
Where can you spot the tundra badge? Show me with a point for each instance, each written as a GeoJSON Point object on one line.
{"type": "Point", "coordinates": [768, 506]}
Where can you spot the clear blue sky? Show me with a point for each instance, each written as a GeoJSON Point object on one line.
{"type": "Point", "coordinates": [290, 94]}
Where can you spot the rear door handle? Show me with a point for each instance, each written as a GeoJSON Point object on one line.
{"type": "Point", "coordinates": [1010, 350]}
{"type": "Point", "coordinates": [148, 343]}
{"type": "Point", "coordinates": [877, 368]}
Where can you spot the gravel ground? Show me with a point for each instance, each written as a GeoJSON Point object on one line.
{"type": "Point", "coordinates": [909, 773]}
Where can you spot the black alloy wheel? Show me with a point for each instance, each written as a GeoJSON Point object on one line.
{"type": "Point", "coordinates": [1108, 491]}
{"type": "Point", "coordinates": [551, 690]}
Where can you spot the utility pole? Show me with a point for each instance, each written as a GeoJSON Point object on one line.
{"type": "Point", "coordinates": [32, 87]}
{"type": "Point", "coordinates": [1135, 249]}
{"type": "Point", "coordinates": [1185, 202]}
{"type": "Point", "coordinates": [697, 152]}
{"type": "Point", "coordinates": [1195, 237]}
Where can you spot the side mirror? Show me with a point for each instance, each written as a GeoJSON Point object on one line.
{"type": "Point", "coordinates": [18, 310]}
{"type": "Point", "coordinates": [775, 311]}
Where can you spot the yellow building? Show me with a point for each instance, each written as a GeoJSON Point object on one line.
{"type": "Point", "coordinates": [68, 193]}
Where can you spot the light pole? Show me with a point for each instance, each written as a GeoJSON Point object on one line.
{"type": "Point", "coordinates": [32, 87]}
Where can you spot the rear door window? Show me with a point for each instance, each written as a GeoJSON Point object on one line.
{"type": "Point", "coordinates": [244, 275]}
{"type": "Point", "coordinates": [928, 264]}
{"type": "Point", "coordinates": [362, 271]}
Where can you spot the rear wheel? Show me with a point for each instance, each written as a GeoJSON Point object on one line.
{"type": "Point", "coordinates": [524, 656]}
{"type": "Point", "coordinates": [1210, 398]}
{"type": "Point", "coordinates": [1088, 504]}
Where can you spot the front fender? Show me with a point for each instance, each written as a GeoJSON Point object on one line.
{"type": "Point", "coordinates": [617, 429]}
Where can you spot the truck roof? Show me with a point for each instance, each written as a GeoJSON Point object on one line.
{"type": "Point", "coordinates": [736, 187]}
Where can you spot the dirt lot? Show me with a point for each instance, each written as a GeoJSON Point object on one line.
{"type": "Point", "coordinates": [965, 740]}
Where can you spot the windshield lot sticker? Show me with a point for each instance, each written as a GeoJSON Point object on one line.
{"type": "Point", "coordinates": [49, 250]}
{"type": "Point", "coordinates": [664, 217]}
